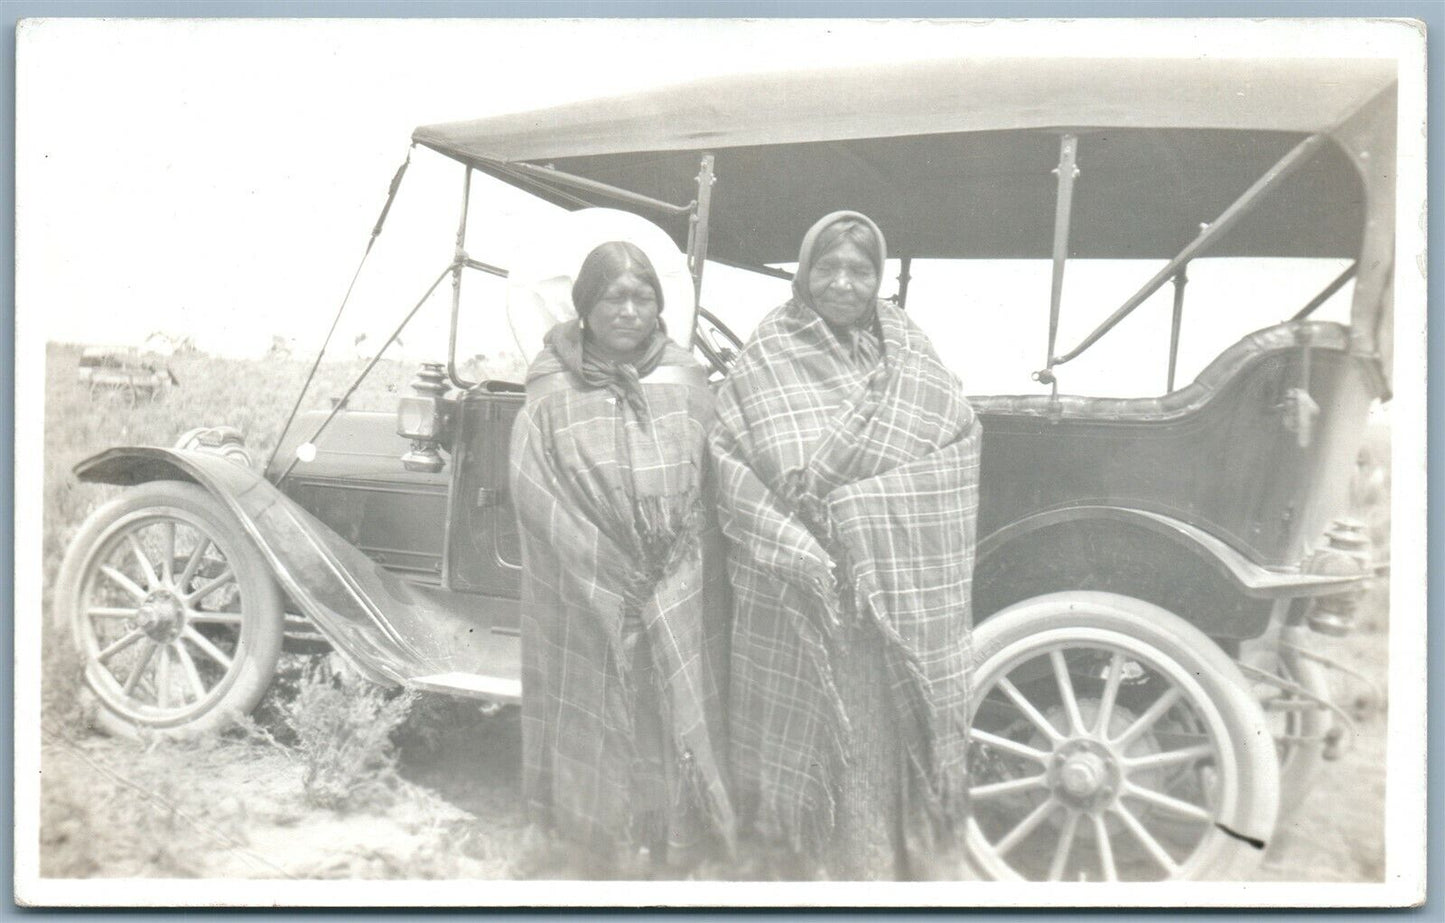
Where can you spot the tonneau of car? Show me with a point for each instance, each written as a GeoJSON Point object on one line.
{"type": "Point", "coordinates": [1225, 368]}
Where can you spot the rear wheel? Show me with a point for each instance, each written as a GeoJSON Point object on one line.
{"type": "Point", "coordinates": [1113, 741]}
{"type": "Point", "coordinates": [173, 609]}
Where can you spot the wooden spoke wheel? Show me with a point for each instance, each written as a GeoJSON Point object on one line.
{"type": "Point", "coordinates": [1113, 741]}
{"type": "Point", "coordinates": [173, 609]}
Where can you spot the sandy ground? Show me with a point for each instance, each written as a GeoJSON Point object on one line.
{"type": "Point", "coordinates": [238, 809]}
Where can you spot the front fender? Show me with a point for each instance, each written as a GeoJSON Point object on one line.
{"type": "Point", "coordinates": [352, 600]}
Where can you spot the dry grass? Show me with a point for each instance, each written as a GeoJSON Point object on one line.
{"type": "Point", "coordinates": [118, 808]}
{"type": "Point", "coordinates": [238, 805]}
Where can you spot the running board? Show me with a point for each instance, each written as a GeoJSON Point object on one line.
{"type": "Point", "coordinates": [471, 685]}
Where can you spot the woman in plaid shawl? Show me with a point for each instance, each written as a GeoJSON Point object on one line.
{"type": "Point", "coordinates": [848, 468]}
{"type": "Point", "coordinates": [624, 605]}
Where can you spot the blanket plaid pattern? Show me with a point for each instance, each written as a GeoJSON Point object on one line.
{"type": "Point", "coordinates": [836, 479]}
{"type": "Point", "coordinates": [618, 543]}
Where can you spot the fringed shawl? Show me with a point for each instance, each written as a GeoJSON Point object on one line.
{"type": "Point", "coordinates": [616, 529]}
{"type": "Point", "coordinates": [835, 479]}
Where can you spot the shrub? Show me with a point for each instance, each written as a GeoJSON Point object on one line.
{"type": "Point", "coordinates": [343, 726]}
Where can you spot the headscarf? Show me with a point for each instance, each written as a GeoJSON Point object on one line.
{"type": "Point", "coordinates": [807, 253]}
{"type": "Point", "coordinates": [862, 339]}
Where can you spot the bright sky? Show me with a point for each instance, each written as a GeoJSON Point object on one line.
{"type": "Point", "coordinates": [221, 176]}
{"type": "Point", "coordinates": [218, 179]}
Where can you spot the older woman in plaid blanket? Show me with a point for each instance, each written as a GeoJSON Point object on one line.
{"type": "Point", "coordinates": [848, 467]}
{"type": "Point", "coordinates": [624, 597]}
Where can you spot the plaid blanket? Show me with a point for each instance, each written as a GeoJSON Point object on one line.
{"type": "Point", "coordinates": [846, 492]}
{"type": "Point", "coordinates": [623, 611]}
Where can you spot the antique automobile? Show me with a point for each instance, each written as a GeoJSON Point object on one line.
{"type": "Point", "coordinates": [1151, 568]}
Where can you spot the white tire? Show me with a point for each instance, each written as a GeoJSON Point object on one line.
{"type": "Point", "coordinates": [1112, 740]}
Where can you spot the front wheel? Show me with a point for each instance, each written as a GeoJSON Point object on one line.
{"type": "Point", "coordinates": [1113, 741]}
{"type": "Point", "coordinates": [173, 609]}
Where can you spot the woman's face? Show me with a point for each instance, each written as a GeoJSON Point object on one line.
{"type": "Point", "coordinates": [843, 283]}
{"type": "Point", "coordinates": [624, 318]}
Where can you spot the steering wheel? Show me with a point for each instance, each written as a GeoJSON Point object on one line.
{"type": "Point", "coordinates": [718, 345]}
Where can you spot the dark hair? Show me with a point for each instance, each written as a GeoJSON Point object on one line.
{"type": "Point", "coordinates": [853, 231]}
{"type": "Point", "coordinates": [604, 265]}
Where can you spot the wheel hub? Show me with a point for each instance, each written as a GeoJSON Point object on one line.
{"type": "Point", "coordinates": [161, 616]}
{"type": "Point", "coordinates": [1085, 774]}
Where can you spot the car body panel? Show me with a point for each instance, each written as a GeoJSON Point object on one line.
{"type": "Point", "coordinates": [1223, 455]}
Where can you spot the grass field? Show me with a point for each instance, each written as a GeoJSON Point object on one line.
{"type": "Point", "coordinates": [443, 802]}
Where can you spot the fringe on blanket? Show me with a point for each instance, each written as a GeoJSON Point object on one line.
{"type": "Point", "coordinates": [943, 789]}
{"type": "Point", "coordinates": [668, 529]}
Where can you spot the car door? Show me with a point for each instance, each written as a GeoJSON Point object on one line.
{"type": "Point", "coordinates": [483, 553]}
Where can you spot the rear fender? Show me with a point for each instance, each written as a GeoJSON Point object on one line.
{"type": "Point", "coordinates": [351, 599]}
{"type": "Point", "coordinates": [1138, 553]}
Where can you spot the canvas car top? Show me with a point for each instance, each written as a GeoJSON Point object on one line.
{"type": "Point", "coordinates": [919, 144]}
